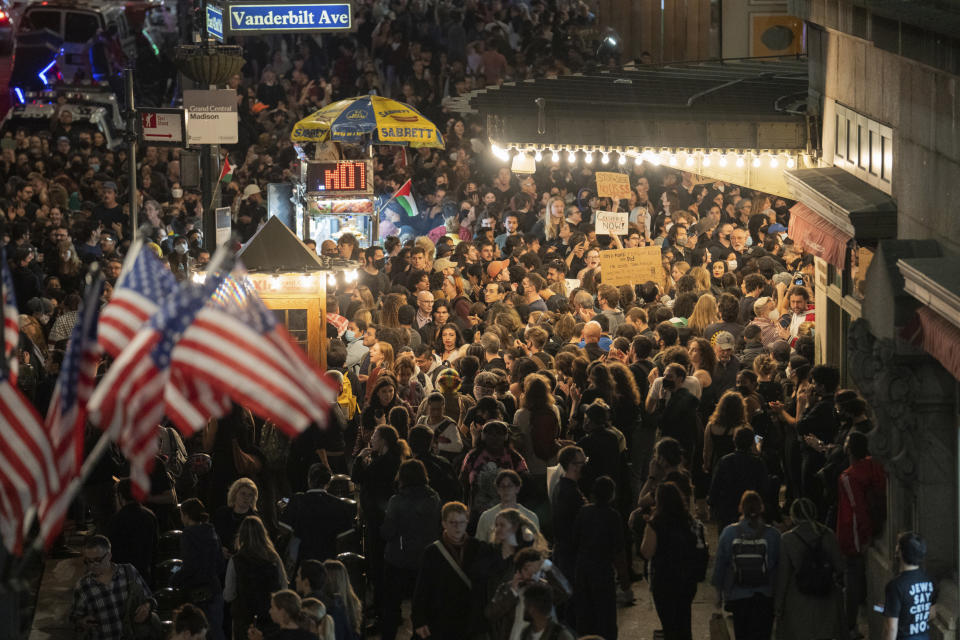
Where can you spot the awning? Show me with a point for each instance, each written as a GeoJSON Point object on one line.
{"type": "Point", "coordinates": [941, 340]}
{"type": "Point", "coordinates": [935, 283]}
{"type": "Point", "coordinates": [816, 235]}
{"type": "Point", "coordinates": [844, 200]}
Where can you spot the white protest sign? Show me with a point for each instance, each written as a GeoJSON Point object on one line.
{"type": "Point", "coordinates": [612, 223]}
{"type": "Point", "coordinates": [211, 116]}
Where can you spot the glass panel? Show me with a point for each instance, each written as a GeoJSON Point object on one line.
{"type": "Point", "coordinates": [41, 19]}
{"type": "Point", "coordinates": [295, 320]}
{"type": "Point", "coordinates": [841, 138]}
{"type": "Point", "coordinates": [81, 27]}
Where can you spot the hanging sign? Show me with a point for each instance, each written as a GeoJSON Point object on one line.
{"type": "Point", "coordinates": [211, 116]}
{"type": "Point", "coordinates": [215, 22]}
{"type": "Point", "coordinates": [252, 18]}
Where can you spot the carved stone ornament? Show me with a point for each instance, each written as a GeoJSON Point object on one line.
{"type": "Point", "coordinates": [889, 389]}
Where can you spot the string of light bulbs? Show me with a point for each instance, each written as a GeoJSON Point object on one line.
{"type": "Point", "coordinates": [688, 158]}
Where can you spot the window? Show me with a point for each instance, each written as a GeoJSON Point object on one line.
{"type": "Point", "coordinates": [41, 19]}
{"type": "Point", "coordinates": [864, 147]}
{"type": "Point", "coordinates": [295, 320]}
{"type": "Point", "coordinates": [81, 27]}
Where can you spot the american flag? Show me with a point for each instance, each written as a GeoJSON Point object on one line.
{"type": "Point", "coordinates": [11, 322]}
{"type": "Point", "coordinates": [27, 469]}
{"type": "Point", "coordinates": [237, 346]}
{"type": "Point", "coordinates": [143, 286]}
{"type": "Point", "coordinates": [129, 402]}
{"type": "Point", "coordinates": [67, 415]}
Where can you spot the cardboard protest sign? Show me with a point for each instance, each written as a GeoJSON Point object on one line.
{"type": "Point", "coordinates": [631, 266]}
{"type": "Point", "coordinates": [613, 185]}
{"type": "Point", "coordinates": [612, 222]}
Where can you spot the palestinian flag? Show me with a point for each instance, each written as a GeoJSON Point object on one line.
{"type": "Point", "coordinates": [404, 197]}
{"type": "Point", "coordinates": [226, 174]}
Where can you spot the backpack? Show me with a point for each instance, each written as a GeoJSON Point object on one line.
{"type": "Point", "coordinates": [700, 557]}
{"type": "Point", "coordinates": [544, 431]}
{"type": "Point", "coordinates": [815, 576]}
{"type": "Point", "coordinates": [347, 399]}
{"type": "Point", "coordinates": [749, 560]}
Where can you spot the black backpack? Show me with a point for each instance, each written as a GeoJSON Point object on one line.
{"type": "Point", "coordinates": [750, 559]}
{"type": "Point", "coordinates": [815, 575]}
{"type": "Point", "coordinates": [700, 557]}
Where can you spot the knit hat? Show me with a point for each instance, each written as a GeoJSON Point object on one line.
{"type": "Point", "coordinates": [448, 381]}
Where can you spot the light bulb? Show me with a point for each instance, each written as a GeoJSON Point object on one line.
{"type": "Point", "coordinates": [740, 162]}
{"type": "Point", "coordinates": [689, 160]}
{"type": "Point", "coordinates": [791, 163]}
{"type": "Point", "coordinates": [605, 158]}
{"type": "Point", "coordinates": [588, 158]}
{"type": "Point", "coordinates": [673, 159]}
{"type": "Point", "coordinates": [706, 161]}
{"type": "Point", "coordinates": [555, 156]}
{"type": "Point", "coordinates": [756, 162]}
{"type": "Point", "coordinates": [572, 157]}
{"type": "Point", "coordinates": [622, 160]}
{"type": "Point", "coordinates": [538, 156]}
{"type": "Point", "coordinates": [774, 163]}
{"type": "Point", "coordinates": [722, 161]}
{"type": "Point", "coordinates": [637, 160]}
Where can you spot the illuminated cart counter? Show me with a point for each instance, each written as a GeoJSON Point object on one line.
{"type": "Point", "coordinates": [292, 281]}
{"type": "Point", "coordinates": [336, 197]}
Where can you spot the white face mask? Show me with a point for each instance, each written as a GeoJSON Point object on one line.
{"type": "Point", "coordinates": [180, 248]}
{"type": "Point", "coordinates": [732, 265]}
{"type": "Point", "coordinates": [176, 193]}
{"type": "Point", "coordinates": [773, 315]}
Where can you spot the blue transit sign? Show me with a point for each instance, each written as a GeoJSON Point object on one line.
{"type": "Point", "coordinates": [248, 18]}
{"type": "Point", "coordinates": [215, 22]}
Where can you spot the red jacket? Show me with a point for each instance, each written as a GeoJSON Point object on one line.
{"type": "Point", "coordinates": [861, 483]}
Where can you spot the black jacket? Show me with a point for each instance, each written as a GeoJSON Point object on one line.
{"type": "Point", "coordinates": [412, 522]}
{"type": "Point", "coordinates": [317, 518]}
{"type": "Point", "coordinates": [133, 538]}
{"type": "Point", "coordinates": [203, 562]}
{"type": "Point", "coordinates": [441, 599]}
{"type": "Point", "coordinates": [678, 419]}
{"type": "Point", "coordinates": [736, 472]}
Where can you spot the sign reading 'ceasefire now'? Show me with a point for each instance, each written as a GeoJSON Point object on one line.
{"type": "Point", "coordinates": [265, 18]}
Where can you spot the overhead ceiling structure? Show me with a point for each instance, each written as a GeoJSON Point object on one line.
{"type": "Point", "coordinates": [742, 121]}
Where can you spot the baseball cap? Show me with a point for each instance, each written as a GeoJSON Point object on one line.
{"type": "Point", "coordinates": [110, 185]}
{"type": "Point", "coordinates": [776, 228]}
{"type": "Point", "coordinates": [495, 267]}
{"type": "Point", "coordinates": [724, 340]}
{"type": "Point", "coordinates": [444, 263]}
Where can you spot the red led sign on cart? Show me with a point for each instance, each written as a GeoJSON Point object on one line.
{"type": "Point", "coordinates": [341, 177]}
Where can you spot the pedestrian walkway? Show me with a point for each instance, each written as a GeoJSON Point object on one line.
{"type": "Point", "coordinates": [52, 619]}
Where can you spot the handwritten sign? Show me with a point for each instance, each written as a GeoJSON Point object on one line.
{"type": "Point", "coordinates": [631, 266]}
{"type": "Point", "coordinates": [613, 185]}
{"type": "Point", "coordinates": [612, 222]}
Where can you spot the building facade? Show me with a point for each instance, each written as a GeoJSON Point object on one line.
{"type": "Point", "coordinates": [879, 212]}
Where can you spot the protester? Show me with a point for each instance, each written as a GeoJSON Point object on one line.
{"type": "Point", "coordinates": [483, 331]}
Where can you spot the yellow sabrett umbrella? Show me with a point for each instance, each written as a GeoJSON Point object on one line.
{"type": "Point", "coordinates": [383, 120]}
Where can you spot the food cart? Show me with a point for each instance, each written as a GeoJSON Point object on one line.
{"type": "Point", "coordinates": [336, 197]}
{"type": "Point", "coordinates": [292, 281]}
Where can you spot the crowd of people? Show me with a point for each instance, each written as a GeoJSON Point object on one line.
{"type": "Point", "coordinates": [516, 443]}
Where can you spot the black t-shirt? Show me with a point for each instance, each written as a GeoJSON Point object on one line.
{"type": "Point", "coordinates": [908, 598]}
{"type": "Point", "coordinates": [108, 215]}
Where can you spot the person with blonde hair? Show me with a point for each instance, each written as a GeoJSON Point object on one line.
{"type": "Point", "coordinates": [319, 622]}
{"type": "Point", "coordinates": [338, 593]}
{"type": "Point", "coordinates": [549, 224]}
{"type": "Point", "coordinates": [253, 573]}
{"type": "Point", "coordinates": [287, 613]}
{"type": "Point", "coordinates": [241, 502]}
{"type": "Point", "coordinates": [702, 277]}
{"type": "Point", "coordinates": [704, 314]}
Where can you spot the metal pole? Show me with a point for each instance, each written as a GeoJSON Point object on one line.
{"type": "Point", "coordinates": [132, 153]}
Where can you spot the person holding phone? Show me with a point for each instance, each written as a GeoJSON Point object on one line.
{"type": "Point", "coordinates": [801, 310]}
